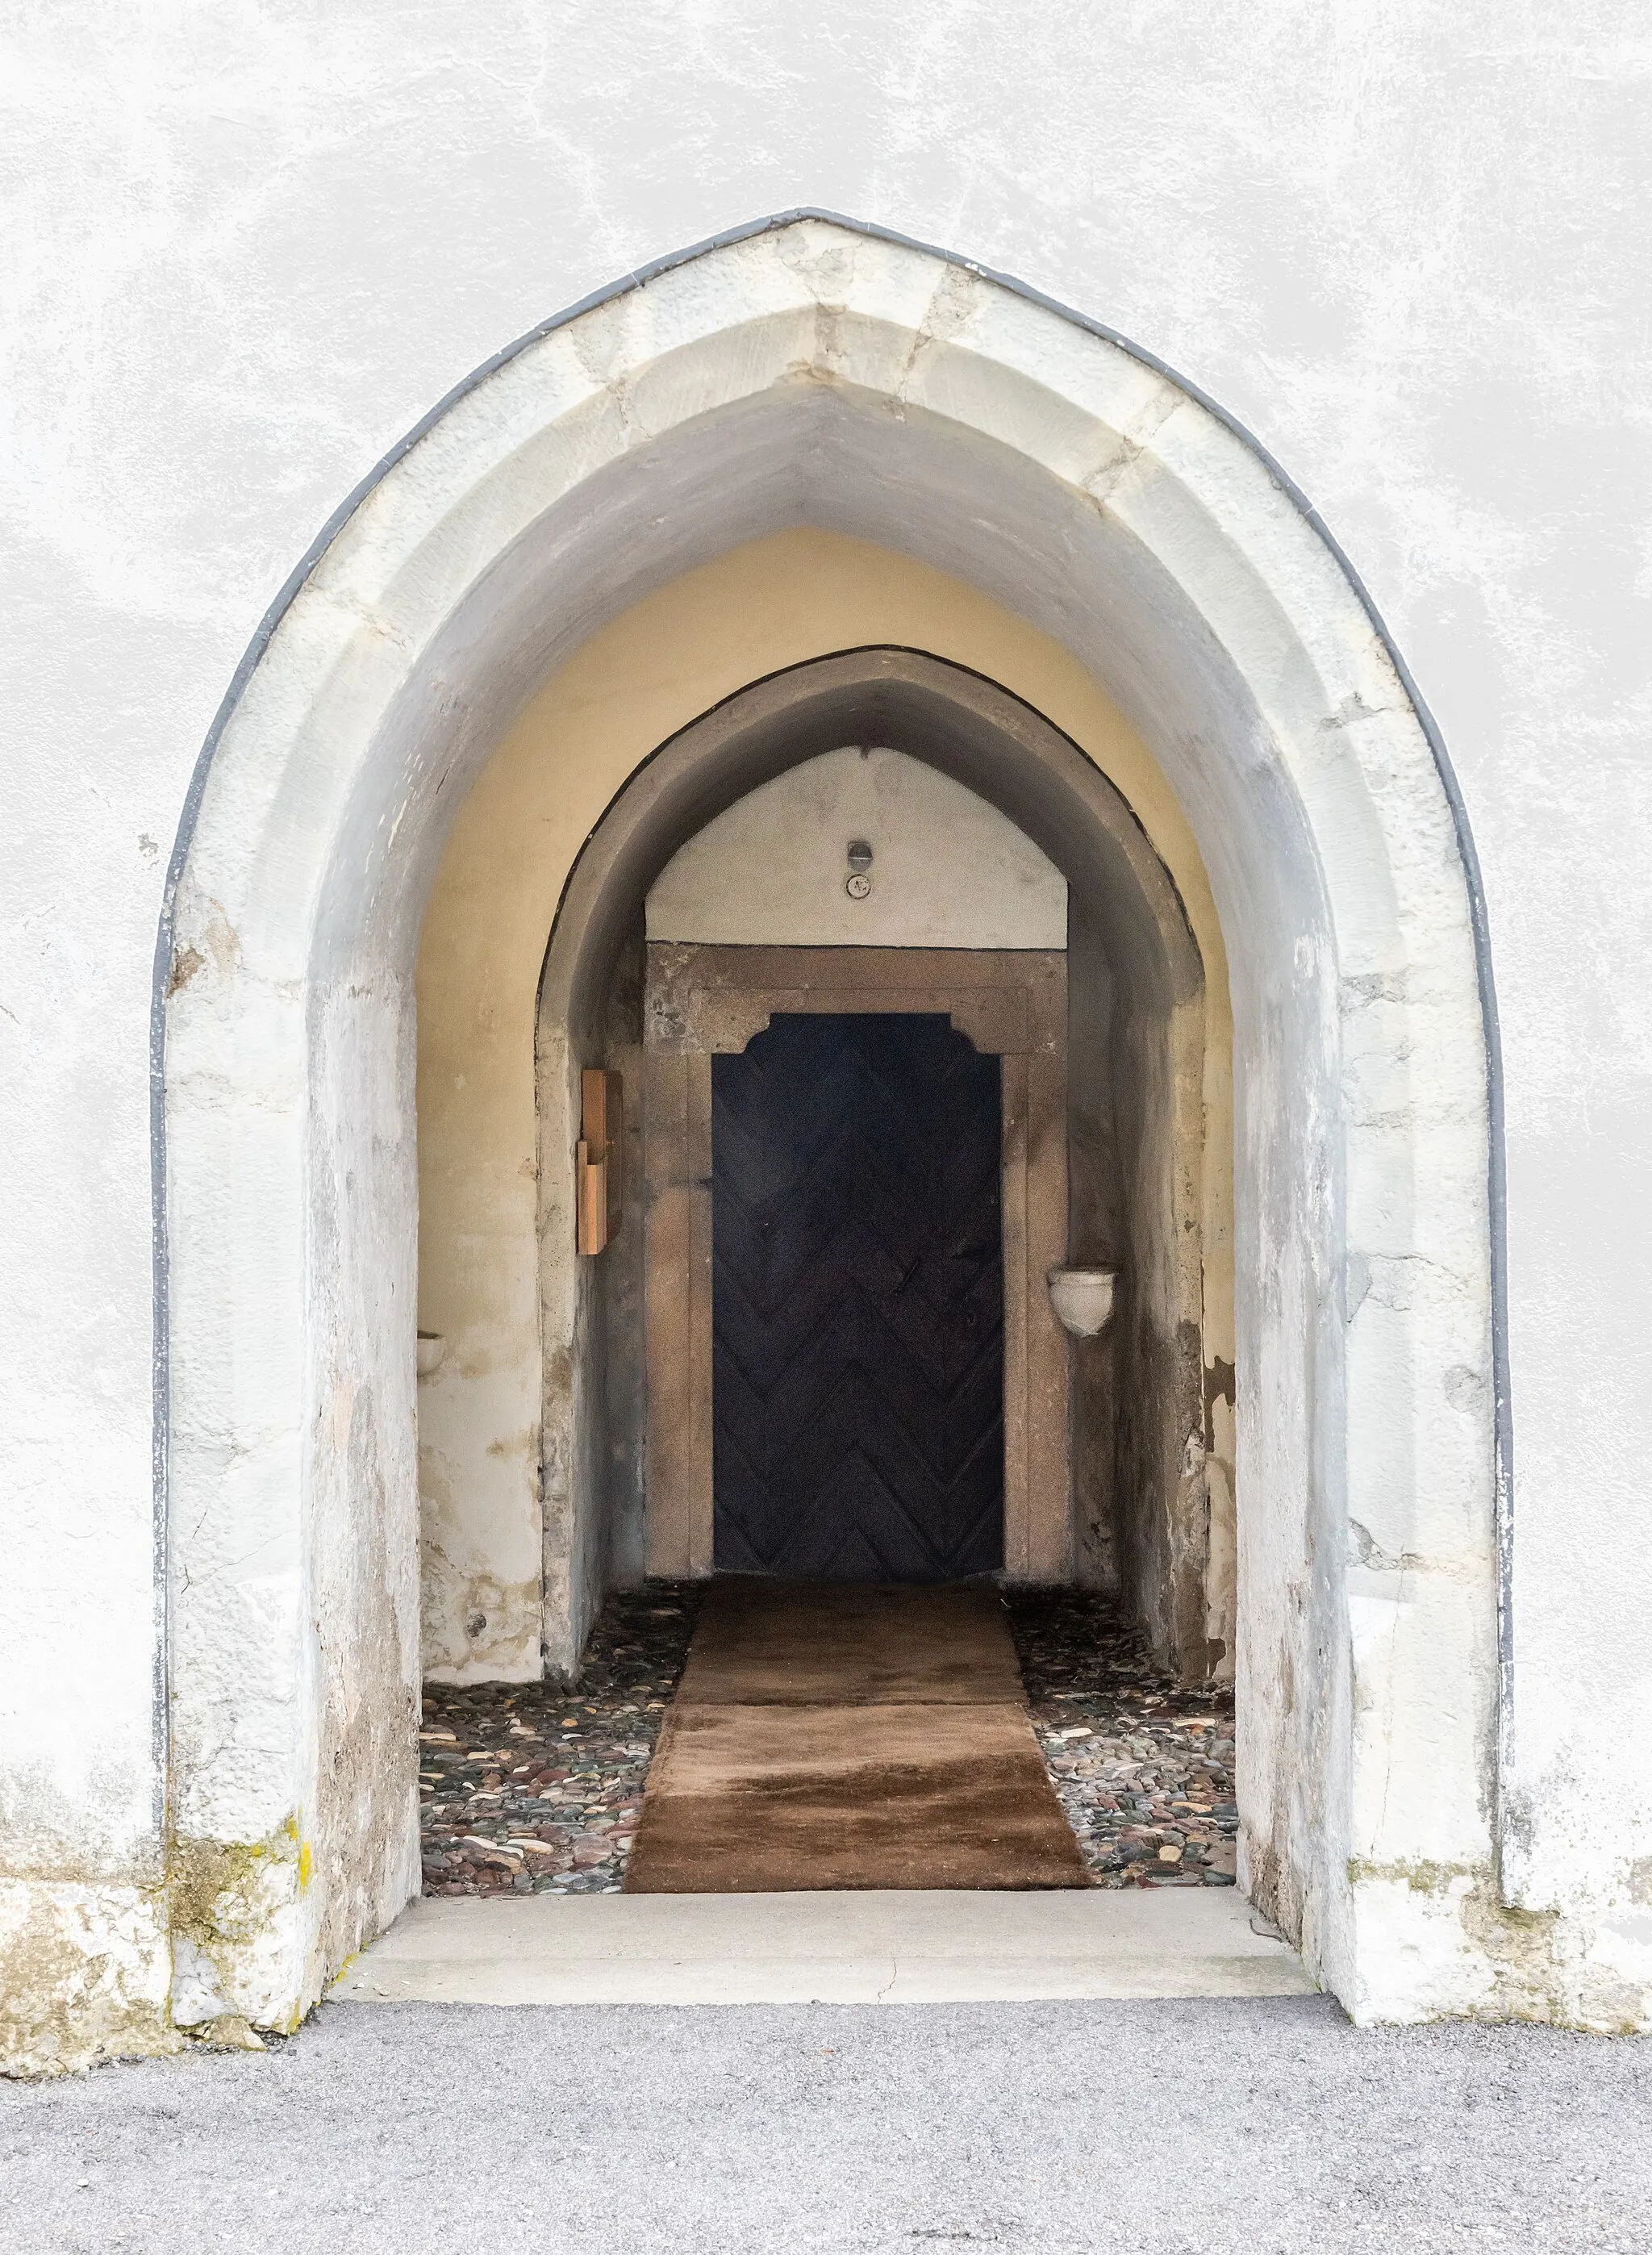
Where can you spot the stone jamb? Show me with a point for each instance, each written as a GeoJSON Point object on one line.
{"type": "Point", "coordinates": [704, 1000]}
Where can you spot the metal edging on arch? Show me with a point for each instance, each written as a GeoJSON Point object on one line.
{"type": "Point", "coordinates": [638, 278]}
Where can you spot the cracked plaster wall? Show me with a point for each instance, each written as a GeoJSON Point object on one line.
{"type": "Point", "coordinates": [240, 266]}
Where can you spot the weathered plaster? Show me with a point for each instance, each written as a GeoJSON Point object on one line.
{"type": "Point", "coordinates": [85, 1974]}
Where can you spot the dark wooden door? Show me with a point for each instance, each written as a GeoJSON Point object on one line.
{"type": "Point", "coordinates": [858, 1302]}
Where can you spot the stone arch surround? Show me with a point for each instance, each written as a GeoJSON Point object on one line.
{"type": "Point", "coordinates": [810, 372]}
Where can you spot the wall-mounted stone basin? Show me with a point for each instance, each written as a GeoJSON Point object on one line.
{"type": "Point", "coordinates": [1082, 1299]}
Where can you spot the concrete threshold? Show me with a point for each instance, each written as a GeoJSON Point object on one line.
{"type": "Point", "coordinates": [871, 1948]}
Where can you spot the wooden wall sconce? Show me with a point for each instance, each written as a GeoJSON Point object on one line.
{"type": "Point", "coordinates": [598, 1163]}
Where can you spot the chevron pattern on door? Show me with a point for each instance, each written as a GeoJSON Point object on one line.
{"type": "Point", "coordinates": [858, 1302]}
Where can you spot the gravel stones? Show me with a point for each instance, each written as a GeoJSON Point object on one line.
{"type": "Point", "coordinates": [1144, 1769]}
{"type": "Point", "coordinates": [529, 1788]}
{"type": "Point", "coordinates": [524, 1787]}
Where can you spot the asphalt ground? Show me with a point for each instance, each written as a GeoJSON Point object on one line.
{"type": "Point", "coordinates": [1264, 2126]}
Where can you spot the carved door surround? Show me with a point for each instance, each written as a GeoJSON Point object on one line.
{"type": "Point", "coordinates": [704, 1000]}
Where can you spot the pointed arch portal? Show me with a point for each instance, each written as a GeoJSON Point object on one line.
{"type": "Point", "coordinates": [811, 372]}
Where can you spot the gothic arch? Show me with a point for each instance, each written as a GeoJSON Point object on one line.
{"type": "Point", "coordinates": [1007, 752]}
{"type": "Point", "coordinates": [808, 371]}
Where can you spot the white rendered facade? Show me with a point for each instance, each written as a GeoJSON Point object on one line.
{"type": "Point", "coordinates": [244, 264]}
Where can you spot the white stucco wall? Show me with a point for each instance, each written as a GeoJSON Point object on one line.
{"type": "Point", "coordinates": [948, 870]}
{"type": "Point", "coordinates": [245, 252]}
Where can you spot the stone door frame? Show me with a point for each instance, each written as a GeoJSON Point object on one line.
{"type": "Point", "coordinates": [704, 1000]}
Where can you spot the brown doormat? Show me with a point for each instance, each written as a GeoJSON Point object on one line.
{"type": "Point", "coordinates": [829, 1735]}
